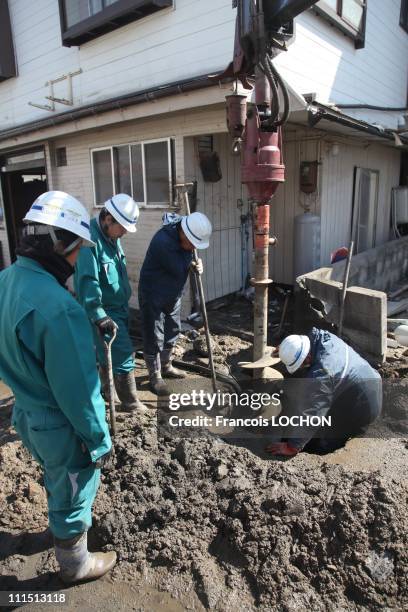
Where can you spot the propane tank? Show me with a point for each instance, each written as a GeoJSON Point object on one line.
{"type": "Point", "coordinates": [306, 243]}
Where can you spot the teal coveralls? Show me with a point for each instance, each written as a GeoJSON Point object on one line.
{"type": "Point", "coordinates": [102, 287]}
{"type": "Point", "coordinates": [47, 359]}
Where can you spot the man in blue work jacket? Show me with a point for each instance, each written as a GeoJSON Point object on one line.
{"type": "Point", "coordinates": [47, 359]}
{"type": "Point", "coordinates": [162, 279]}
{"type": "Point", "coordinates": [102, 287]}
{"type": "Point", "coordinates": [331, 380]}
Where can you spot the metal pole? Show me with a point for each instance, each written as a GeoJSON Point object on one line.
{"type": "Point", "coordinates": [261, 282]}
{"type": "Point", "coordinates": [344, 290]}
{"type": "Point", "coordinates": [202, 297]}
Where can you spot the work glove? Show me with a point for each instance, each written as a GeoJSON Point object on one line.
{"type": "Point", "coordinates": [282, 449]}
{"type": "Point", "coordinates": [106, 326]}
{"type": "Point", "coordinates": [197, 266]}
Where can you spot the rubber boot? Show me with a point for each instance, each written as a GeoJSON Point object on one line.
{"type": "Point", "coordinates": [157, 384]}
{"type": "Point", "coordinates": [103, 375]}
{"type": "Point", "coordinates": [126, 387]}
{"type": "Point", "coordinates": [77, 564]}
{"type": "Point", "coordinates": [167, 368]}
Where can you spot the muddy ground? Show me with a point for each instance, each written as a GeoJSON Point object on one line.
{"type": "Point", "coordinates": [203, 524]}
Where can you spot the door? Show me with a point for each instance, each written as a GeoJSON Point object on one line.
{"type": "Point", "coordinates": [365, 207]}
{"type": "Point", "coordinates": [23, 179]}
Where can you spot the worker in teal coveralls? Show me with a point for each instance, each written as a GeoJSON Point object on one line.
{"type": "Point", "coordinates": [102, 287]}
{"type": "Point", "coordinates": [47, 359]}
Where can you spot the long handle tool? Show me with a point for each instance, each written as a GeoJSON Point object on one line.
{"type": "Point", "coordinates": [184, 187]}
{"type": "Point", "coordinates": [344, 290]}
{"type": "Point", "coordinates": [111, 388]}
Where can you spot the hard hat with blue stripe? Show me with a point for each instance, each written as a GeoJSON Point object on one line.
{"type": "Point", "coordinates": [61, 210]}
{"type": "Point", "coordinates": [198, 229]}
{"type": "Point", "coordinates": [124, 210]}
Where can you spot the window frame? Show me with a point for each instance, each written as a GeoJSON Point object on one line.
{"type": "Point", "coordinates": [110, 18]}
{"type": "Point", "coordinates": [358, 171]}
{"type": "Point", "coordinates": [8, 67]}
{"type": "Point", "coordinates": [142, 143]}
{"type": "Point", "coordinates": [336, 19]}
{"type": "Point", "coordinates": [404, 15]}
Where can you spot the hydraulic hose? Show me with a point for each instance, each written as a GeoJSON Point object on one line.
{"type": "Point", "coordinates": [199, 369]}
{"type": "Point", "coordinates": [274, 93]}
{"type": "Point", "coordinates": [285, 93]}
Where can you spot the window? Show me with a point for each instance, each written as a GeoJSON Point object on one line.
{"type": "Point", "coordinates": [349, 16]}
{"type": "Point", "coordinates": [143, 170]}
{"type": "Point", "coordinates": [7, 61]}
{"type": "Point", "coordinates": [84, 20]}
{"type": "Point", "coordinates": [404, 15]}
{"type": "Point", "coordinates": [60, 156]}
{"type": "Point", "coordinates": [365, 206]}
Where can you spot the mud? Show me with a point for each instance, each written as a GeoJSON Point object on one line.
{"type": "Point", "coordinates": [217, 527]}
{"type": "Point", "coordinates": [202, 524]}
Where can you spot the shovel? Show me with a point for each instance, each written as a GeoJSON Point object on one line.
{"type": "Point", "coordinates": [111, 389]}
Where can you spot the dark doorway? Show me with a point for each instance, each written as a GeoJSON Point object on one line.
{"type": "Point", "coordinates": [21, 185]}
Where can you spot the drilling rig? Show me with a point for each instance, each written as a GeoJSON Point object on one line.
{"type": "Point", "coordinates": [263, 29]}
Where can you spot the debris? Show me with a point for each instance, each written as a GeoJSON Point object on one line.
{"type": "Point", "coordinates": [380, 566]}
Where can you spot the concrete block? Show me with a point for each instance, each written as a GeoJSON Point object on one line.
{"type": "Point", "coordinates": [372, 273]}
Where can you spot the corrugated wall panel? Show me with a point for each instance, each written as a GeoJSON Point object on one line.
{"type": "Point", "coordinates": [222, 261]}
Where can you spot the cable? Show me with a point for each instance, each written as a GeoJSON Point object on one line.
{"type": "Point", "coordinates": [274, 94]}
{"type": "Point", "coordinates": [373, 107]}
{"type": "Point", "coordinates": [285, 92]}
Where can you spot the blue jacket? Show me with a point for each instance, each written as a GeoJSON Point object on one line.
{"type": "Point", "coordinates": [165, 268]}
{"type": "Point", "coordinates": [337, 372]}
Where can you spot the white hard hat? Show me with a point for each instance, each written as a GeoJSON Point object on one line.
{"type": "Point", "coordinates": [293, 351]}
{"type": "Point", "coordinates": [124, 209]}
{"type": "Point", "coordinates": [198, 229]}
{"type": "Point", "coordinates": [59, 209]}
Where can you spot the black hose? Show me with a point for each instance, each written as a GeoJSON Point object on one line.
{"type": "Point", "coordinates": [393, 109]}
{"type": "Point", "coordinates": [194, 367]}
{"type": "Point", "coordinates": [285, 93]}
{"type": "Point", "coordinates": [274, 94]}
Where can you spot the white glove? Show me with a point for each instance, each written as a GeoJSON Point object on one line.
{"type": "Point", "coordinates": [198, 266]}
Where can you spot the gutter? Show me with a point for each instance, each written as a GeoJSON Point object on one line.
{"type": "Point", "coordinates": [120, 102]}
{"type": "Point", "coordinates": [317, 112]}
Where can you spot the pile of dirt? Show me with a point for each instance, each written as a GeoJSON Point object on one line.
{"type": "Point", "coordinates": [396, 365]}
{"type": "Point", "coordinates": [281, 535]}
{"type": "Point", "coordinates": [23, 503]}
{"type": "Point", "coordinates": [216, 521]}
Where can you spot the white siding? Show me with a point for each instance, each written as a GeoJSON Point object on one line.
{"type": "Point", "coordinates": [167, 46]}
{"type": "Point", "coordinates": [196, 38]}
{"type": "Point", "coordinates": [325, 62]}
{"type": "Point", "coordinates": [219, 201]}
{"type": "Point", "coordinates": [287, 201]}
{"type": "Point", "coordinates": [337, 192]}
{"type": "Point", "coordinates": [334, 199]}
{"type": "Point", "coordinates": [76, 178]}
